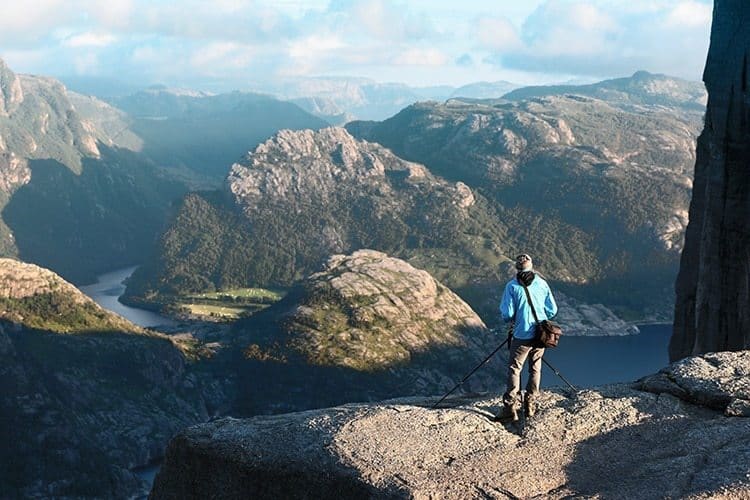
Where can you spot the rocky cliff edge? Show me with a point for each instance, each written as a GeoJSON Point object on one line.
{"type": "Point", "coordinates": [682, 433]}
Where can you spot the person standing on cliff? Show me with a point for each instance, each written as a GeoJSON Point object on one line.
{"type": "Point", "coordinates": [515, 308]}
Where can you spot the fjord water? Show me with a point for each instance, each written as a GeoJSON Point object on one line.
{"type": "Point", "coordinates": [108, 289]}
{"type": "Point", "coordinates": [584, 361]}
{"type": "Point", "coordinates": [592, 361]}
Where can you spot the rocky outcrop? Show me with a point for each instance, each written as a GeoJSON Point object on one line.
{"type": "Point", "coordinates": [19, 280]}
{"type": "Point", "coordinates": [366, 327]}
{"type": "Point", "coordinates": [35, 297]}
{"type": "Point", "coordinates": [85, 395]}
{"type": "Point", "coordinates": [306, 166]}
{"type": "Point", "coordinates": [611, 442]}
{"type": "Point", "coordinates": [368, 311]}
{"type": "Point", "coordinates": [713, 287]}
{"type": "Point", "coordinates": [595, 320]}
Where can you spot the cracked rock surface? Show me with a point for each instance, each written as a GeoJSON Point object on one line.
{"type": "Point", "coordinates": [719, 380]}
{"type": "Point", "coordinates": [614, 441]}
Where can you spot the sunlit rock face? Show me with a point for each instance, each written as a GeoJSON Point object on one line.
{"type": "Point", "coordinates": [682, 433]}
{"type": "Point", "coordinates": [712, 311]}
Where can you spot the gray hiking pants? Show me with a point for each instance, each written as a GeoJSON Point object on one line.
{"type": "Point", "coordinates": [519, 351]}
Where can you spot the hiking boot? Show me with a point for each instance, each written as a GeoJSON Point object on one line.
{"type": "Point", "coordinates": [529, 407]}
{"type": "Point", "coordinates": [509, 414]}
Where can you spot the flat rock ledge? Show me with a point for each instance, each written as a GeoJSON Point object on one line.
{"type": "Point", "coordinates": [614, 441]}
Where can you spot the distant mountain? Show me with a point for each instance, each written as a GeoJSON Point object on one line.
{"type": "Point", "coordinates": [109, 125]}
{"type": "Point", "coordinates": [85, 395]}
{"type": "Point", "coordinates": [302, 196]}
{"type": "Point", "coordinates": [434, 93]}
{"type": "Point", "coordinates": [325, 108]}
{"type": "Point", "coordinates": [359, 97]}
{"type": "Point", "coordinates": [643, 88]}
{"type": "Point", "coordinates": [484, 90]}
{"type": "Point", "coordinates": [597, 190]}
{"type": "Point", "coordinates": [204, 133]}
{"type": "Point", "coordinates": [101, 87]}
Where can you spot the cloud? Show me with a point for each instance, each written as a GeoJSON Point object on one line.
{"type": "Point", "coordinates": [465, 60]}
{"type": "Point", "coordinates": [579, 37]}
{"type": "Point", "coordinates": [497, 33]}
{"type": "Point", "coordinates": [689, 14]}
{"type": "Point", "coordinates": [239, 40]}
{"type": "Point", "coordinates": [215, 57]}
{"type": "Point", "coordinates": [23, 24]}
{"type": "Point", "coordinates": [376, 19]}
{"type": "Point", "coordinates": [420, 57]}
{"type": "Point", "coordinates": [110, 14]}
{"type": "Point", "coordinates": [89, 39]}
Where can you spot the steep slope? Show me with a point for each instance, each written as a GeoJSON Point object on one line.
{"type": "Point", "coordinates": [302, 196]}
{"type": "Point", "coordinates": [82, 225]}
{"type": "Point", "coordinates": [366, 326]}
{"type": "Point", "coordinates": [599, 193]}
{"type": "Point", "coordinates": [84, 394]}
{"type": "Point", "coordinates": [713, 291]}
{"type": "Point", "coordinates": [38, 121]}
{"type": "Point", "coordinates": [616, 441]}
{"type": "Point", "coordinates": [109, 125]}
{"type": "Point", "coordinates": [205, 133]}
{"type": "Point", "coordinates": [73, 197]}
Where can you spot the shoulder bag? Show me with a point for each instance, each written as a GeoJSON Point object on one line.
{"type": "Point", "coordinates": [547, 333]}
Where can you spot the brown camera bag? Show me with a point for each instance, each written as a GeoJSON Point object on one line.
{"type": "Point", "coordinates": [547, 332]}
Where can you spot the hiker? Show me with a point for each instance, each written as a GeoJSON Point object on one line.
{"type": "Point", "coordinates": [514, 307]}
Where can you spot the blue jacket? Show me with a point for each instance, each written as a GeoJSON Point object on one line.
{"type": "Point", "coordinates": [515, 306]}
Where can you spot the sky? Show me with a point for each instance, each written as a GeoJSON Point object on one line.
{"type": "Point", "coordinates": [237, 44]}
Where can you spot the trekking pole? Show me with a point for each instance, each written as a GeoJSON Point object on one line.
{"type": "Point", "coordinates": [559, 375]}
{"type": "Point", "coordinates": [470, 374]}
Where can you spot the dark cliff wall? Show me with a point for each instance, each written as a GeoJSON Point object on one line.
{"type": "Point", "coordinates": [712, 311]}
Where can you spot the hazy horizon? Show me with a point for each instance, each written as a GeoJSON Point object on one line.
{"type": "Point", "coordinates": [244, 45]}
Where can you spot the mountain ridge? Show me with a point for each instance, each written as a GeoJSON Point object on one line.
{"type": "Point", "coordinates": [576, 179]}
{"type": "Point", "coordinates": [641, 88]}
